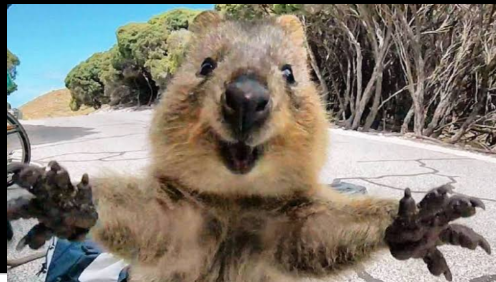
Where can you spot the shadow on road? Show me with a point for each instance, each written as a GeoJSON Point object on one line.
{"type": "Point", "coordinates": [40, 134]}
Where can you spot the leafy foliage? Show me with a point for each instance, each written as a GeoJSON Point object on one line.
{"type": "Point", "coordinates": [12, 60]}
{"type": "Point", "coordinates": [254, 11]}
{"type": "Point", "coordinates": [135, 70]}
{"type": "Point", "coordinates": [86, 81]}
{"type": "Point", "coordinates": [12, 63]}
{"type": "Point", "coordinates": [175, 19]}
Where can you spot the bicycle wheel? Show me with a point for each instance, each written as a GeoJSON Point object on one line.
{"type": "Point", "coordinates": [18, 145]}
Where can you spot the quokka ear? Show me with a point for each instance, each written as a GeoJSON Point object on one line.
{"type": "Point", "coordinates": [294, 28]}
{"type": "Point", "coordinates": [205, 21]}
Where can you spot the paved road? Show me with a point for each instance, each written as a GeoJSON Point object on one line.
{"type": "Point", "coordinates": [386, 166]}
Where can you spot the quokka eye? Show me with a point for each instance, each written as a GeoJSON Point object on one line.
{"type": "Point", "coordinates": [287, 73]}
{"type": "Point", "coordinates": [208, 66]}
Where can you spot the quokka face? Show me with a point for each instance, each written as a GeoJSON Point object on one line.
{"type": "Point", "coordinates": [242, 116]}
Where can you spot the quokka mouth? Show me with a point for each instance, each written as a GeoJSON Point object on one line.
{"type": "Point", "coordinates": [239, 157]}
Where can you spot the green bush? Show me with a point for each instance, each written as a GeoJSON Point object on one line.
{"type": "Point", "coordinates": [12, 63]}
{"type": "Point", "coordinates": [138, 66]}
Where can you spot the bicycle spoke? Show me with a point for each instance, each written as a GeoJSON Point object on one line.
{"type": "Point", "coordinates": [13, 130]}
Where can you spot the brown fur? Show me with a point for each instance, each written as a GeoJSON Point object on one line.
{"type": "Point", "coordinates": [192, 219]}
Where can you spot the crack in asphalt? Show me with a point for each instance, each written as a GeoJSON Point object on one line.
{"type": "Point", "coordinates": [110, 157]}
{"type": "Point", "coordinates": [86, 140]}
{"type": "Point", "coordinates": [485, 278]}
{"type": "Point", "coordinates": [413, 160]}
{"type": "Point", "coordinates": [422, 163]}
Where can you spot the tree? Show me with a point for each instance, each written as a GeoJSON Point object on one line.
{"type": "Point", "coordinates": [149, 53]}
{"type": "Point", "coordinates": [137, 67]}
{"type": "Point", "coordinates": [437, 74]}
{"type": "Point", "coordinates": [86, 83]}
{"type": "Point", "coordinates": [12, 63]}
{"type": "Point", "coordinates": [244, 11]}
{"type": "Point", "coordinates": [12, 60]}
{"type": "Point", "coordinates": [175, 19]}
{"type": "Point", "coordinates": [253, 11]}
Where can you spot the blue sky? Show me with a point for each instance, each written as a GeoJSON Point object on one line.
{"type": "Point", "coordinates": [50, 39]}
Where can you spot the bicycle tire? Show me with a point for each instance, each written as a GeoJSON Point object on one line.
{"type": "Point", "coordinates": [25, 143]}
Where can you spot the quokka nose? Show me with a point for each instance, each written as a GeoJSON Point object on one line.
{"type": "Point", "coordinates": [246, 105]}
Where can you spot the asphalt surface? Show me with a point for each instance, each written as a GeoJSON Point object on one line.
{"type": "Point", "coordinates": [384, 165]}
